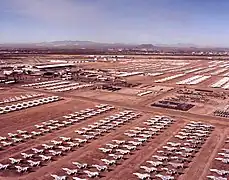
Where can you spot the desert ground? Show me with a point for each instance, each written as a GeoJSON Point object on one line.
{"type": "Point", "coordinates": [83, 102]}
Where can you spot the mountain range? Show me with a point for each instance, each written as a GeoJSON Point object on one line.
{"type": "Point", "coordinates": [98, 45]}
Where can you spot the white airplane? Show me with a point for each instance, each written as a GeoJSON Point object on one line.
{"type": "Point", "coordinates": [71, 144]}
{"type": "Point", "coordinates": [119, 141]}
{"type": "Point", "coordinates": [135, 131]}
{"type": "Point", "coordinates": [109, 162]}
{"type": "Point", "coordinates": [47, 146]}
{"type": "Point", "coordinates": [148, 123]}
{"type": "Point", "coordinates": [21, 169]}
{"type": "Point", "coordinates": [91, 174]}
{"type": "Point", "coordinates": [80, 132]}
{"type": "Point", "coordinates": [169, 148]}
{"type": "Point", "coordinates": [183, 154]}
{"type": "Point", "coordinates": [2, 138]}
{"type": "Point", "coordinates": [56, 177]}
{"type": "Point", "coordinates": [116, 157]}
{"type": "Point", "coordinates": [67, 122]}
{"type": "Point", "coordinates": [47, 123]}
{"type": "Point", "coordinates": [187, 149]}
{"type": "Point", "coordinates": [100, 130]}
{"type": "Point", "coordinates": [38, 151]}
{"type": "Point", "coordinates": [70, 171]}
{"type": "Point", "coordinates": [161, 151]}
{"type": "Point", "coordinates": [173, 144]}
{"type": "Point", "coordinates": [52, 127]}
{"type": "Point", "coordinates": [135, 143]}
{"type": "Point", "coordinates": [194, 141]}
{"type": "Point", "coordinates": [12, 135]}
{"type": "Point", "coordinates": [169, 171]}
{"type": "Point", "coordinates": [88, 136]}
{"type": "Point", "coordinates": [81, 140]}
{"type": "Point", "coordinates": [141, 139]}
{"type": "Point", "coordinates": [63, 148]}
{"type": "Point", "coordinates": [130, 134]}
{"type": "Point", "coordinates": [56, 142]}
{"type": "Point", "coordinates": [34, 163]}
{"type": "Point", "coordinates": [160, 158]}
{"type": "Point", "coordinates": [92, 126]}
{"type": "Point", "coordinates": [220, 172]}
{"type": "Point", "coordinates": [26, 136]}
{"type": "Point", "coordinates": [67, 117]}
{"type": "Point", "coordinates": [112, 145]}
{"type": "Point", "coordinates": [176, 165]}
{"type": "Point", "coordinates": [224, 160]}
{"type": "Point", "coordinates": [181, 137]}
{"type": "Point", "coordinates": [224, 155]}
{"type": "Point", "coordinates": [155, 163]}
{"type": "Point", "coordinates": [184, 133]}
{"type": "Point", "coordinates": [22, 132]}
{"type": "Point", "coordinates": [76, 178]}
{"type": "Point", "coordinates": [65, 138]}
{"type": "Point", "coordinates": [145, 135]}
{"type": "Point", "coordinates": [27, 156]}
{"type": "Point", "coordinates": [142, 176]}
{"type": "Point", "coordinates": [200, 134]}
{"type": "Point", "coordinates": [86, 129]}
{"type": "Point", "coordinates": [4, 166]}
{"type": "Point", "coordinates": [60, 125]}
{"type": "Point", "coordinates": [164, 177]}
{"type": "Point", "coordinates": [174, 157]}
{"type": "Point", "coordinates": [45, 130]}
{"type": "Point", "coordinates": [99, 167]}
{"type": "Point", "coordinates": [158, 127]}
{"type": "Point", "coordinates": [226, 150]}
{"type": "Point", "coordinates": [55, 153]}
{"type": "Point", "coordinates": [123, 152]}
{"type": "Point", "coordinates": [148, 169]}
{"type": "Point", "coordinates": [95, 133]}
{"type": "Point", "coordinates": [105, 150]}
{"type": "Point", "coordinates": [45, 158]}
{"type": "Point", "coordinates": [39, 126]}
{"type": "Point", "coordinates": [15, 140]}
{"type": "Point", "coordinates": [131, 148]}
{"type": "Point", "coordinates": [15, 161]}
{"type": "Point", "coordinates": [35, 133]}
{"type": "Point", "coordinates": [154, 129]}
{"type": "Point", "coordinates": [80, 165]}
{"type": "Point", "coordinates": [202, 131]}
{"type": "Point", "coordinates": [216, 178]}
{"type": "Point", "coordinates": [4, 143]}
{"type": "Point", "coordinates": [53, 121]}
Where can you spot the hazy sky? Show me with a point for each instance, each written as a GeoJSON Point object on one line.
{"type": "Point", "coordinates": [201, 22]}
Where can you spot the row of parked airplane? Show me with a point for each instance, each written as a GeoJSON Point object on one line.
{"type": "Point", "coordinates": [20, 98]}
{"type": "Point", "coordinates": [82, 168]}
{"type": "Point", "coordinates": [28, 104]}
{"type": "Point", "coordinates": [40, 83]}
{"type": "Point", "coordinates": [48, 126]}
{"type": "Point", "coordinates": [222, 174]}
{"type": "Point", "coordinates": [175, 155]}
{"type": "Point", "coordinates": [81, 115]}
{"type": "Point", "coordinates": [106, 124]}
{"type": "Point", "coordinates": [48, 151]}
{"type": "Point", "coordinates": [121, 148]}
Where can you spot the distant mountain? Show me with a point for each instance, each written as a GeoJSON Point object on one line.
{"type": "Point", "coordinates": [103, 46]}
{"type": "Point", "coordinates": [146, 46]}
{"type": "Point", "coordinates": [69, 45]}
